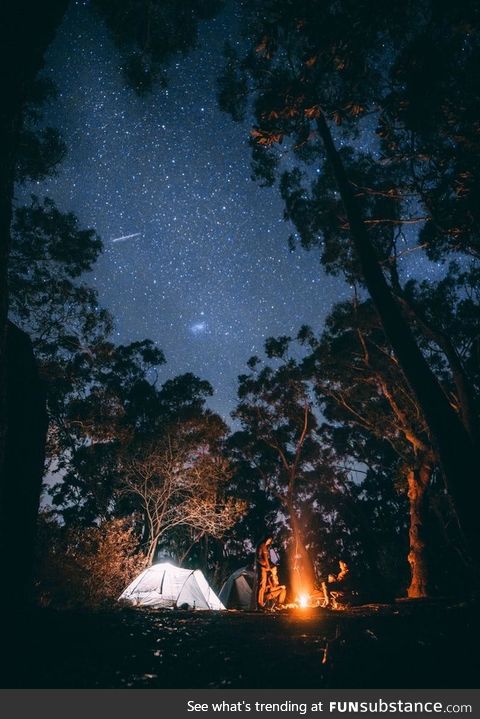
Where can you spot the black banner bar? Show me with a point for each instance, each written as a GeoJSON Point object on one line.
{"type": "Point", "coordinates": [248, 703]}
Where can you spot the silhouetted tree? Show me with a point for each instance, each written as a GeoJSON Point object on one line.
{"type": "Point", "coordinates": [317, 69]}
{"type": "Point", "coordinates": [149, 32]}
{"type": "Point", "coordinates": [358, 382]}
{"type": "Point", "coordinates": [329, 479]}
{"type": "Point", "coordinates": [26, 30]}
{"type": "Point", "coordinates": [278, 437]}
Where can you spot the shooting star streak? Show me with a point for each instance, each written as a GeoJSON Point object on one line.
{"type": "Point", "coordinates": [126, 237]}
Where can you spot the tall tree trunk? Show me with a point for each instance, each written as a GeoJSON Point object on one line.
{"type": "Point", "coordinates": [463, 385]}
{"type": "Point", "coordinates": [418, 482]}
{"type": "Point", "coordinates": [456, 452]}
{"type": "Point", "coordinates": [23, 465]}
{"type": "Point", "coordinates": [9, 124]}
{"type": "Point", "coordinates": [26, 30]}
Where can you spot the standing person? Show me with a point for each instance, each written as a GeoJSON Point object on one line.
{"type": "Point", "coordinates": [263, 567]}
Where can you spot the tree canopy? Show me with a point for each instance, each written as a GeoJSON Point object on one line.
{"type": "Point", "coordinates": [321, 80]}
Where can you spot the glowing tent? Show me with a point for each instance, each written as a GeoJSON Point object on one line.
{"type": "Point", "coordinates": [163, 585]}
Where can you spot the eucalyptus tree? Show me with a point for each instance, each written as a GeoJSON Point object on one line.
{"type": "Point", "coordinates": [403, 84]}
{"type": "Point", "coordinates": [320, 485]}
{"type": "Point", "coordinates": [278, 440]}
{"type": "Point", "coordinates": [358, 384]}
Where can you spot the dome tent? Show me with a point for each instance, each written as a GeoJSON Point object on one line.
{"type": "Point", "coordinates": [237, 592]}
{"type": "Point", "coordinates": [166, 586]}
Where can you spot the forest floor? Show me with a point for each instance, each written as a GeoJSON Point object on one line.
{"type": "Point", "coordinates": [409, 644]}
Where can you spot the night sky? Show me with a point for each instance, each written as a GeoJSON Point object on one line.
{"type": "Point", "coordinates": [203, 268]}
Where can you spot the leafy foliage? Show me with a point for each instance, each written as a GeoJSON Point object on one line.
{"type": "Point", "coordinates": [40, 149]}
{"type": "Point", "coordinates": [149, 33]}
{"type": "Point", "coordinates": [181, 481]}
{"type": "Point", "coordinates": [327, 79]}
{"type": "Point", "coordinates": [85, 567]}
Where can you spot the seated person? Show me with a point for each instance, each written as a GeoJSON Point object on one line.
{"type": "Point", "coordinates": [275, 592]}
{"type": "Point", "coordinates": [337, 586]}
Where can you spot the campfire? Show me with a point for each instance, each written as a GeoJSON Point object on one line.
{"type": "Point", "coordinates": [303, 600]}
{"type": "Point", "coordinates": [308, 600]}
{"type": "Point", "coordinates": [302, 577]}
{"type": "Point", "coordinates": [306, 592]}
{"type": "Point", "coordinates": [316, 598]}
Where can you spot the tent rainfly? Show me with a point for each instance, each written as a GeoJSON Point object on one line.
{"type": "Point", "coordinates": [165, 586]}
{"type": "Point", "coordinates": [237, 592]}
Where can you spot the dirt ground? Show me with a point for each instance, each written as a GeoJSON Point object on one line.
{"type": "Point", "coordinates": [409, 644]}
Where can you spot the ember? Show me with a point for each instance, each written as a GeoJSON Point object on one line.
{"type": "Point", "coordinates": [303, 600]}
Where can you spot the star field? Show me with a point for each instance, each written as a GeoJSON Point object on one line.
{"type": "Point", "coordinates": [195, 253]}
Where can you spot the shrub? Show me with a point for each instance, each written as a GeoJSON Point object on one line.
{"type": "Point", "coordinates": [85, 566]}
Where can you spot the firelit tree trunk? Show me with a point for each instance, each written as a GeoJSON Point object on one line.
{"type": "Point", "coordinates": [458, 458]}
{"type": "Point", "coordinates": [418, 482]}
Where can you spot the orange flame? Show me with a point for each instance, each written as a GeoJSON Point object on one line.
{"type": "Point", "coordinates": [303, 600]}
{"type": "Point", "coordinates": [301, 575]}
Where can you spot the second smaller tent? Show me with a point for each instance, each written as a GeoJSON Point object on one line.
{"type": "Point", "coordinates": [238, 590]}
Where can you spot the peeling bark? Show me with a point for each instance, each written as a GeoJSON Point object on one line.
{"type": "Point", "coordinates": [418, 481]}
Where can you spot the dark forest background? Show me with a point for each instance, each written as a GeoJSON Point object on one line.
{"type": "Point", "coordinates": [360, 441]}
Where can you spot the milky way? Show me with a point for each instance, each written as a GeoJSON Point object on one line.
{"type": "Point", "coordinates": [195, 253]}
